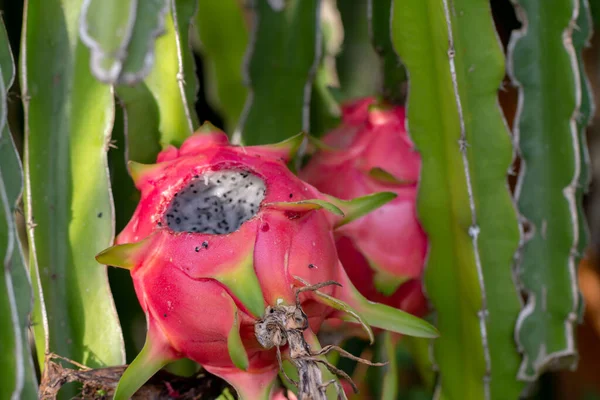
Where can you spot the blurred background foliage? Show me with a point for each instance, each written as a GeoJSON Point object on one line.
{"type": "Point", "coordinates": [349, 66]}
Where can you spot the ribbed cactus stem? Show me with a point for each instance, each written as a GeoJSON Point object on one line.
{"type": "Point", "coordinates": [393, 71]}
{"type": "Point", "coordinates": [543, 64]}
{"type": "Point", "coordinates": [464, 203]}
{"type": "Point", "coordinates": [280, 66]}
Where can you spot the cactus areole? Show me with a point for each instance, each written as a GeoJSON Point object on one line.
{"type": "Point", "coordinates": [221, 233]}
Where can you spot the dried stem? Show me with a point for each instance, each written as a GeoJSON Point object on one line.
{"type": "Point", "coordinates": [101, 383]}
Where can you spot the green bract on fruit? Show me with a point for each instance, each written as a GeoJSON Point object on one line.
{"type": "Point", "coordinates": [221, 232]}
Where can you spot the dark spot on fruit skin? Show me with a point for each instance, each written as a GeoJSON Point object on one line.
{"type": "Point", "coordinates": [311, 266]}
{"type": "Point", "coordinates": [292, 215]}
{"type": "Point", "coordinates": [99, 215]}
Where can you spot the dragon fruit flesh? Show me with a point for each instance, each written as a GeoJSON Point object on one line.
{"type": "Point", "coordinates": [220, 233]}
{"type": "Point", "coordinates": [383, 252]}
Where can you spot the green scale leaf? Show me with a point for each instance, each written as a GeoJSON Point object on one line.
{"type": "Point", "coordinates": [455, 65]}
{"type": "Point", "coordinates": [68, 203]}
{"type": "Point", "coordinates": [544, 65]}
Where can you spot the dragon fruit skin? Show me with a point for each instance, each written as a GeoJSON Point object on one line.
{"type": "Point", "coordinates": [204, 268]}
{"type": "Point", "coordinates": [383, 251]}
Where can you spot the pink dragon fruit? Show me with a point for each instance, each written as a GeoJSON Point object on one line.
{"type": "Point", "coordinates": [383, 252]}
{"type": "Point", "coordinates": [220, 233]}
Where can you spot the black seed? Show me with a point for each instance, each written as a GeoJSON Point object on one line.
{"type": "Point", "coordinates": [176, 194]}
{"type": "Point", "coordinates": [185, 218]}
{"type": "Point", "coordinates": [177, 220]}
{"type": "Point", "coordinates": [175, 210]}
{"type": "Point", "coordinates": [196, 176]}
{"type": "Point", "coordinates": [205, 244]}
{"type": "Point", "coordinates": [195, 191]}
{"type": "Point", "coordinates": [99, 215]}
{"type": "Point", "coordinates": [291, 195]}
{"type": "Point", "coordinates": [159, 224]}
{"type": "Point", "coordinates": [197, 249]}
{"type": "Point", "coordinates": [271, 311]}
{"type": "Point", "coordinates": [311, 266]}
{"type": "Point", "coordinates": [169, 215]}
{"type": "Point", "coordinates": [192, 185]}
{"type": "Point", "coordinates": [218, 181]}
{"type": "Point", "coordinates": [165, 315]}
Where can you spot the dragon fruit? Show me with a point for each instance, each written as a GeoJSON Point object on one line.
{"type": "Point", "coordinates": [222, 233]}
{"type": "Point", "coordinates": [383, 252]}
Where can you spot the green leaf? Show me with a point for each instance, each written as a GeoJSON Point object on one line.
{"type": "Point", "coordinates": [359, 206]}
{"type": "Point", "coordinates": [581, 38]}
{"type": "Point", "coordinates": [18, 379]}
{"type": "Point", "coordinates": [357, 63]}
{"type": "Point", "coordinates": [306, 205]}
{"type": "Point", "coordinates": [455, 64]}
{"type": "Point", "coordinates": [68, 204]}
{"type": "Point", "coordinates": [544, 66]}
{"type": "Point", "coordinates": [393, 72]}
{"type": "Point", "coordinates": [392, 319]}
{"type": "Point", "coordinates": [120, 35]}
{"type": "Point", "coordinates": [283, 61]}
{"type": "Point", "coordinates": [224, 35]}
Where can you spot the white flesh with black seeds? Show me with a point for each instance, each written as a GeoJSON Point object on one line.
{"type": "Point", "coordinates": [216, 202]}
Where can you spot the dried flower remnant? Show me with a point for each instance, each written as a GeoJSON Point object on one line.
{"type": "Point", "coordinates": [285, 325]}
